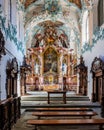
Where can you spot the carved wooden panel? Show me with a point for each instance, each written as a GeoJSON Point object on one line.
{"type": "Point", "coordinates": [9, 112]}
{"type": "Point", "coordinates": [11, 80]}
{"type": "Point", "coordinates": [0, 116]}
{"type": "Point", "coordinates": [4, 115]}
{"type": "Point", "coordinates": [97, 70]}
{"type": "Point", "coordinates": [14, 72]}
{"type": "Point", "coordinates": [8, 79]}
{"type": "Point", "coordinates": [82, 70]}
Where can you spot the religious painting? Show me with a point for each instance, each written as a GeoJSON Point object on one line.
{"type": "Point", "coordinates": [50, 60]}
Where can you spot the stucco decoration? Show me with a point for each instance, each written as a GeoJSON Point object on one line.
{"type": "Point", "coordinates": [10, 32]}
{"type": "Point", "coordinates": [29, 2]}
{"type": "Point", "coordinates": [68, 12]}
{"type": "Point", "coordinates": [62, 15]}
{"type": "Point", "coordinates": [98, 35]}
{"type": "Point", "coordinates": [49, 34]}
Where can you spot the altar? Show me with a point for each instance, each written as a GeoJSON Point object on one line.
{"type": "Point", "coordinates": [57, 92]}
{"type": "Point", "coordinates": [52, 64]}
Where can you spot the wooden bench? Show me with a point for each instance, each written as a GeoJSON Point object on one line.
{"type": "Point", "coordinates": [62, 109]}
{"type": "Point", "coordinates": [78, 114]}
{"type": "Point", "coordinates": [75, 122]}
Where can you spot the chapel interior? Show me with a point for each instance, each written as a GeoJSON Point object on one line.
{"type": "Point", "coordinates": [50, 47]}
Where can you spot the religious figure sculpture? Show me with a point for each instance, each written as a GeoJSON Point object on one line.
{"type": "Point", "coordinates": [36, 68]}
{"type": "Point", "coordinates": [64, 68]}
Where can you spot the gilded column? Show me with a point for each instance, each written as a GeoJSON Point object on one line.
{"type": "Point", "coordinates": [60, 70]}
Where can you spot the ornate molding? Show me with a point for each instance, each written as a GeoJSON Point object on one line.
{"type": "Point", "coordinates": [97, 35]}
{"type": "Point", "coordinates": [10, 32]}
{"type": "Point", "coordinates": [97, 64]}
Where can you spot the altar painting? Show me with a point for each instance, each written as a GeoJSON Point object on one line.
{"type": "Point", "coordinates": [50, 60]}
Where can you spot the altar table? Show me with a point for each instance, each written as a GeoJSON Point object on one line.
{"type": "Point", "coordinates": [57, 92]}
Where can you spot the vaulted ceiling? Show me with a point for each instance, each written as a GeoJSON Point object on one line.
{"type": "Point", "coordinates": [63, 16]}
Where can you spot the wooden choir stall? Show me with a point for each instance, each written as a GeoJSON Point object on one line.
{"type": "Point", "coordinates": [10, 107]}
{"type": "Point", "coordinates": [82, 71]}
{"type": "Point", "coordinates": [97, 70]}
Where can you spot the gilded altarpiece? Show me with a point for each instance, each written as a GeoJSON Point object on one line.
{"type": "Point", "coordinates": [49, 58]}
{"type": "Point", "coordinates": [50, 70]}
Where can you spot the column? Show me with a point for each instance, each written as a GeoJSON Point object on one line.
{"type": "Point", "coordinates": [60, 70]}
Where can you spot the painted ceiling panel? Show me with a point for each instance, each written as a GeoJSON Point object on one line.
{"type": "Point", "coordinates": [29, 2]}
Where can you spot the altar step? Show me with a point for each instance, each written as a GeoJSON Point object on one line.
{"type": "Point", "coordinates": [55, 98]}
{"type": "Point", "coordinates": [40, 100]}
{"type": "Point", "coordinates": [43, 96]}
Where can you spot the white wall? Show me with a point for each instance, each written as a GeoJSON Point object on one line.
{"type": "Point", "coordinates": [12, 50]}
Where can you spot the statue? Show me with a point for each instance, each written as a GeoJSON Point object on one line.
{"type": "Point", "coordinates": [64, 68]}
{"type": "Point", "coordinates": [36, 68]}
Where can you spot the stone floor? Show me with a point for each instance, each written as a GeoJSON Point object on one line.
{"type": "Point", "coordinates": [21, 123]}
{"type": "Point", "coordinates": [28, 104]}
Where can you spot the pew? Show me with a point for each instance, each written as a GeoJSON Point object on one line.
{"type": "Point", "coordinates": [75, 122]}
{"type": "Point", "coordinates": [62, 109]}
{"type": "Point", "coordinates": [70, 114]}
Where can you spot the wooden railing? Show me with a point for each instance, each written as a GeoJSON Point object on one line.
{"type": "Point", "coordinates": [9, 112]}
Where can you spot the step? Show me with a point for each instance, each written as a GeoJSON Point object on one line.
{"type": "Point", "coordinates": [31, 104]}
{"type": "Point", "coordinates": [54, 98]}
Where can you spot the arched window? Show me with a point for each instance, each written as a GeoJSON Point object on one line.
{"type": "Point", "coordinates": [100, 12]}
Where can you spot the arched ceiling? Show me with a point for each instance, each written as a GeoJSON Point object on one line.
{"type": "Point", "coordinates": [62, 17]}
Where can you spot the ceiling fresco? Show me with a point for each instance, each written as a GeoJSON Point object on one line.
{"type": "Point", "coordinates": [29, 2]}
{"type": "Point", "coordinates": [53, 21]}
